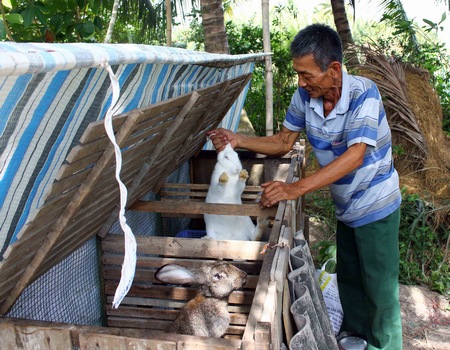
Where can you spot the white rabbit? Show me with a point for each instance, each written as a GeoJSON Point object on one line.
{"type": "Point", "coordinates": [207, 314]}
{"type": "Point", "coordinates": [227, 184]}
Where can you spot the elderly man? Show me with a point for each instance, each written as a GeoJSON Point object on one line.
{"type": "Point", "coordinates": [346, 125]}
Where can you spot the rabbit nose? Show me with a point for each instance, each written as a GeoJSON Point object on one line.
{"type": "Point", "coordinates": [244, 278]}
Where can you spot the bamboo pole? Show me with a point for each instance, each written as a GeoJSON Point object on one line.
{"type": "Point", "coordinates": [268, 61]}
{"type": "Point", "coordinates": [169, 23]}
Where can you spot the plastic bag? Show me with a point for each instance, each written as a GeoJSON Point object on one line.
{"type": "Point", "coordinates": [330, 291]}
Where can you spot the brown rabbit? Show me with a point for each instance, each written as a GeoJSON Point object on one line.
{"type": "Point", "coordinates": [207, 314]}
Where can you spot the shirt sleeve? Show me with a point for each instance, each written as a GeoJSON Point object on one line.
{"type": "Point", "coordinates": [295, 115]}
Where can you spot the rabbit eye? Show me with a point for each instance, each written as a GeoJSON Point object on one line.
{"type": "Point", "coordinates": [226, 157]}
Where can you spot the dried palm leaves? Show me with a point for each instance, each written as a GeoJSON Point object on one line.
{"type": "Point", "coordinates": [390, 77]}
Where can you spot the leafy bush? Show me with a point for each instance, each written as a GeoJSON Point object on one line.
{"type": "Point", "coordinates": [424, 255]}
{"type": "Point", "coordinates": [423, 250]}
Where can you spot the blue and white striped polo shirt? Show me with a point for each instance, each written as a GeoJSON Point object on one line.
{"type": "Point", "coordinates": [370, 192]}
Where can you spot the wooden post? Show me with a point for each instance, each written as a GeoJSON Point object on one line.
{"type": "Point", "coordinates": [268, 61]}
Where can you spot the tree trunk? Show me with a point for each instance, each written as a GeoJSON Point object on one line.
{"type": "Point", "coordinates": [112, 21]}
{"type": "Point", "coordinates": [216, 38]}
{"type": "Point", "coordinates": [343, 29]}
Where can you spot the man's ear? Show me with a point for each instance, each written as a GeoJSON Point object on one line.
{"type": "Point", "coordinates": [335, 69]}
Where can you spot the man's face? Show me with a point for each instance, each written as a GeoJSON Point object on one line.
{"type": "Point", "coordinates": [311, 77]}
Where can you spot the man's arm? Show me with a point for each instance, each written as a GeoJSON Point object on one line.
{"type": "Point", "coordinates": [350, 160]}
{"type": "Point", "coordinates": [275, 145]}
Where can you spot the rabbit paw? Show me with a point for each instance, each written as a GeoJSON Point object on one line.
{"type": "Point", "coordinates": [243, 175]}
{"type": "Point", "coordinates": [223, 179]}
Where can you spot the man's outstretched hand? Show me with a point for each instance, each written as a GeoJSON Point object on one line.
{"type": "Point", "coordinates": [276, 191]}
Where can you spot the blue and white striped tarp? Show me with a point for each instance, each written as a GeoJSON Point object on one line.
{"type": "Point", "coordinates": [49, 93]}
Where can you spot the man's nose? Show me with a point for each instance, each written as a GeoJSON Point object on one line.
{"type": "Point", "coordinates": [301, 81]}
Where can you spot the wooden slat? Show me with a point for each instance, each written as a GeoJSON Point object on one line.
{"type": "Point", "coordinates": [69, 169]}
{"type": "Point", "coordinates": [161, 314]}
{"type": "Point", "coordinates": [166, 292]}
{"type": "Point", "coordinates": [114, 273]}
{"type": "Point", "coordinates": [153, 262]}
{"type": "Point", "coordinates": [188, 207]}
{"type": "Point", "coordinates": [186, 247]}
{"type": "Point", "coordinates": [188, 342]}
{"type": "Point", "coordinates": [96, 130]}
{"type": "Point", "coordinates": [70, 183]}
{"type": "Point", "coordinates": [136, 301]}
{"type": "Point", "coordinates": [29, 337]}
{"type": "Point", "coordinates": [158, 324]}
{"type": "Point", "coordinates": [160, 342]}
{"type": "Point", "coordinates": [89, 341]}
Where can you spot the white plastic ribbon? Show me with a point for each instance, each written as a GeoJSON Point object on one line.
{"type": "Point", "coordinates": [129, 261]}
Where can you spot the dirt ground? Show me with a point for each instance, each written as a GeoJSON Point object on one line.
{"type": "Point", "coordinates": [425, 313]}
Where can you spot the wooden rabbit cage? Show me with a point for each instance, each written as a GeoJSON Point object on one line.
{"type": "Point", "coordinates": [256, 310]}
{"type": "Point", "coordinates": [81, 202]}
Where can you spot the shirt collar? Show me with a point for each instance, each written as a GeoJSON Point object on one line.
{"type": "Point", "coordinates": [344, 102]}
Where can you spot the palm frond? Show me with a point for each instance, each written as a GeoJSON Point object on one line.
{"type": "Point", "coordinates": [389, 75]}
{"type": "Point", "coordinates": [394, 13]}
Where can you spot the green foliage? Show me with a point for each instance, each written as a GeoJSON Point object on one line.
{"type": "Point", "coordinates": [422, 247]}
{"type": "Point", "coordinates": [247, 38]}
{"type": "Point", "coordinates": [321, 207]}
{"type": "Point", "coordinates": [424, 255]}
{"type": "Point", "coordinates": [326, 255]}
{"type": "Point", "coordinates": [53, 21]}
{"type": "Point", "coordinates": [398, 150]}
{"type": "Point", "coordinates": [84, 21]}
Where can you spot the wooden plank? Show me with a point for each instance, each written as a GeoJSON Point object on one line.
{"type": "Point", "coordinates": [85, 149]}
{"type": "Point", "coordinates": [159, 324]}
{"type": "Point", "coordinates": [96, 130]}
{"type": "Point", "coordinates": [189, 207]}
{"type": "Point", "coordinates": [264, 279]}
{"type": "Point", "coordinates": [250, 193]}
{"type": "Point", "coordinates": [186, 247]}
{"type": "Point", "coordinates": [263, 336]}
{"type": "Point", "coordinates": [150, 262]}
{"type": "Point", "coordinates": [161, 314]}
{"type": "Point", "coordinates": [193, 186]}
{"type": "Point", "coordinates": [161, 342]}
{"type": "Point", "coordinates": [149, 133]}
{"type": "Point", "coordinates": [174, 292]}
{"type": "Point", "coordinates": [69, 169]}
{"type": "Point", "coordinates": [93, 341]}
{"type": "Point", "coordinates": [114, 273]}
{"type": "Point", "coordinates": [148, 302]}
{"type": "Point", "coordinates": [31, 337]}
{"type": "Point", "coordinates": [77, 330]}
{"type": "Point", "coordinates": [70, 183]}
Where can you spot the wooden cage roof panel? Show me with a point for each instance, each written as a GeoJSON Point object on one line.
{"type": "Point", "coordinates": [154, 141]}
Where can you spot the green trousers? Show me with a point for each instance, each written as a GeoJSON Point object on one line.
{"type": "Point", "coordinates": [367, 273]}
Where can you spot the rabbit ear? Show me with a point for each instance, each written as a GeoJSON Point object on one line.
{"type": "Point", "coordinates": [172, 273]}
